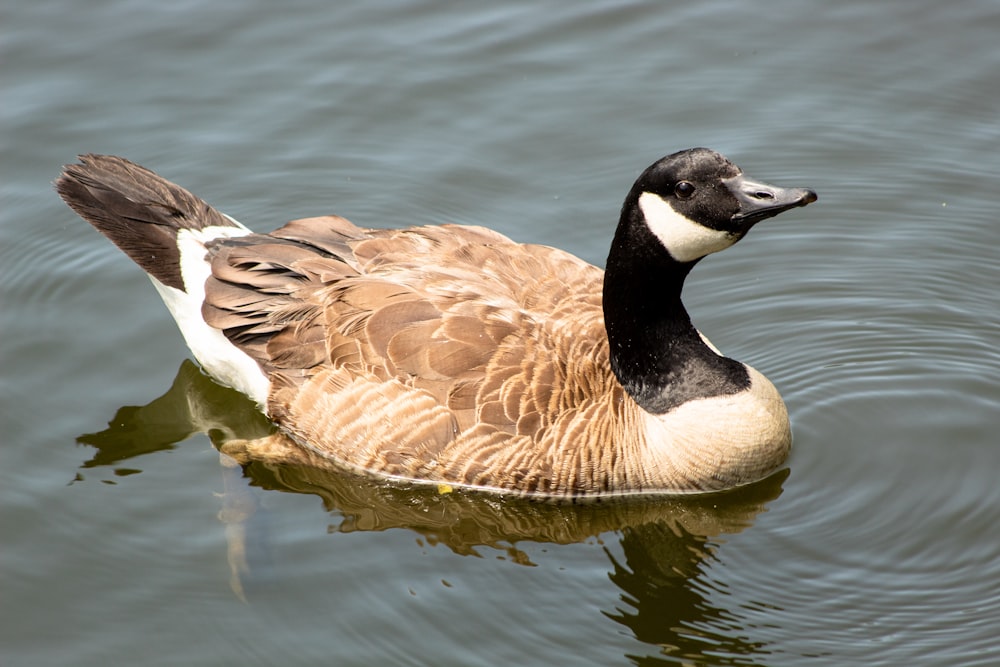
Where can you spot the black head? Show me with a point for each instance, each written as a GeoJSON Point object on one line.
{"type": "Point", "coordinates": [697, 202]}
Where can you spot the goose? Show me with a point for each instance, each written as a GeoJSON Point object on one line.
{"type": "Point", "coordinates": [452, 355]}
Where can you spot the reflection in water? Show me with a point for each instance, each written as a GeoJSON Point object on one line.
{"type": "Point", "coordinates": [665, 541]}
{"type": "Point", "coordinates": [663, 580]}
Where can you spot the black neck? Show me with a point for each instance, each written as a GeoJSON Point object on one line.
{"type": "Point", "coordinates": [656, 353]}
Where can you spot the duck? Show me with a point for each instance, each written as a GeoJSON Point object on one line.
{"type": "Point", "coordinates": [453, 355]}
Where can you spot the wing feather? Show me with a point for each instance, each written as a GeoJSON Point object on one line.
{"type": "Point", "coordinates": [446, 333]}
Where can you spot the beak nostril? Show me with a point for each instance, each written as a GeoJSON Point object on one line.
{"type": "Point", "coordinates": [760, 201]}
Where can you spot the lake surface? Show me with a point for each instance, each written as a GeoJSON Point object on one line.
{"type": "Point", "coordinates": [876, 312]}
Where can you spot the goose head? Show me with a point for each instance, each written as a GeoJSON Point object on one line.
{"type": "Point", "coordinates": [696, 202]}
{"type": "Point", "coordinates": [681, 208]}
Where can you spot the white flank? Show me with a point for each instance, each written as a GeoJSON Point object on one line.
{"type": "Point", "coordinates": [221, 359]}
{"type": "Point", "coordinates": [684, 239]}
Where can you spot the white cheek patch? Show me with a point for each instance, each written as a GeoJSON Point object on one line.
{"type": "Point", "coordinates": [684, 239]}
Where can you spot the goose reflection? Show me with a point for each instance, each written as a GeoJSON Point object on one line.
{"type": "Point", "coordinates": [668, 544]}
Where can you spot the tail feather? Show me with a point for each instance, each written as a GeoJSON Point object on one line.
{"type": "Point", "coordinates": [168, 232]}
{"type": "Point", "coordinates": [137, 210]}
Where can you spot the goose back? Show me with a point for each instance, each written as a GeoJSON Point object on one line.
{"type": "Point", "coordinates": [445, 353]}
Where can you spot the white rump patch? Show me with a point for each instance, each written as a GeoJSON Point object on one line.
{"type": "Point", "coordinates": [224, 361]}
{"type": "Point", "coordinates": [684, 239]}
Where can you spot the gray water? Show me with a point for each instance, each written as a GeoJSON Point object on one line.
{"type": "Point", "coordinates": [875, 312]}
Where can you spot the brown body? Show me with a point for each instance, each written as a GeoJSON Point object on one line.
{"type": "Point", "coordinates": [448, 354]}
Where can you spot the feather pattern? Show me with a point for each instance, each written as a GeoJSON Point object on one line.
{"type": "Point", "coordinates": [475, 378]}
{"type": "Point", "coordinates": [139, 211]}
{"type": "Point", "coordinates": [451, 354]}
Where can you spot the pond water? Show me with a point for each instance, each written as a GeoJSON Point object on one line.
{"type": "Point", "coordinates": [876, 312]}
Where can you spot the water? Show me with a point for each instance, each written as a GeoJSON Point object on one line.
{"type": "Point", "coordinates": [875, 312]}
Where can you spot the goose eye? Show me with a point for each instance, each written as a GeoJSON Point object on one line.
{"type": "Point", "coordinates": [684, 189]}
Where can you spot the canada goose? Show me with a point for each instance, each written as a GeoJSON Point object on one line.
{"type": "Point", "coordinates": [452, 355]}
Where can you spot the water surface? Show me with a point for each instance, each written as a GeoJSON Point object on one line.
{"type": "Point", "coordinates": [875, 312]}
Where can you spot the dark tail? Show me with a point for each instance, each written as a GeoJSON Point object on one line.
{"type": "Point", "coordinates": [139, 211]}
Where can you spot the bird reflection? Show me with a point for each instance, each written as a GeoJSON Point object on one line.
{"type": "Point", "coordinates": [667, 542]}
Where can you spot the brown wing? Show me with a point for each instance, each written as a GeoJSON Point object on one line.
{"type": "Point", "coordinates": [403, 340]}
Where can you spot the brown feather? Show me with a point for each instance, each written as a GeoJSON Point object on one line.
{"type": "Point", "coordinates": [440, 354]}
{"type": "Point", "coordinates": [136, 210]}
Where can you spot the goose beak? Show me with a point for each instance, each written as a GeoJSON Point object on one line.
{"type": "Point", "coordinates": [759, 201]}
